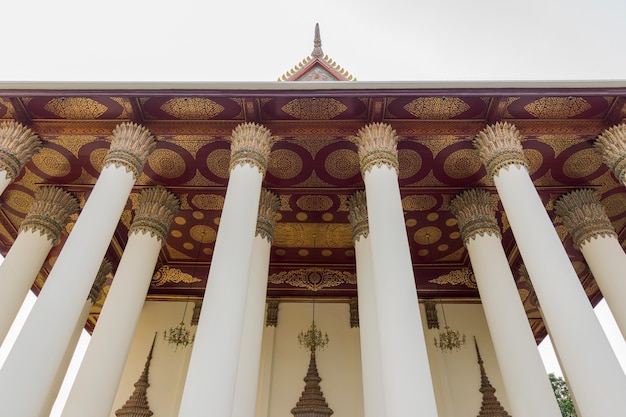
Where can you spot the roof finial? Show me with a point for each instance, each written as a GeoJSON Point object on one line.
{"type": "Point", "coordinates": [317, 43]}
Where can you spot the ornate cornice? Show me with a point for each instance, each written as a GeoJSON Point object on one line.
{"type": "Point", "coordinates": [476, 214]}
{"type": "Point", "coordinates": [50, 212]}
{"type": "Point", "coordinates": [357, 206]}
{"type": "Point", "coordinates": [18, 144]}
{"type": "Point", "coordinates": [584, 216]}
{"type": "Point", "coordinates": [612, 146]}
{"type": "Point", "coordinates": [98, 283]}
{"type": "Point", "coordinates": [268, 212]}
{"type": "Point", "coordinates": [130, 147]}
{"type": "Point", "coordinates": [499, 146]}
{"type": "Point", "coordinates": [313, 279]}
{"type": "Point", "coordinates": [155, 212]}
{"type": "Point", "coordinates": [377, 146]}
{"type": "Point", "coordinates": [251, 143]}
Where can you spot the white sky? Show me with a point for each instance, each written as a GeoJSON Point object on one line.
{"type": "Point", "coordinates": [391, 40]}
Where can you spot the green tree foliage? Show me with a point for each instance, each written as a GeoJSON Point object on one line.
{"type": "Point", "coordinates": [563, 397]}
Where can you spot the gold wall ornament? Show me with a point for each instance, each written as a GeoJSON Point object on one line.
{"type": "Point", "coordinates": [432, 319]}
{"type": "Point", "coordinates": [271, 318]}
{"type": "Point", "coordinates": [612, 146]}
{"type": "Point", "coordinates": [101, 277]}
{"type": "Point", "coordinates": [476, 214]}
{"type": "Point", "coordinates": [137, 404]}
{"type": "Point", "coordinates": [354, 312]}
{"type": "Point", "coordinates": [18, 144]}
{"type": "Point", "coordinates": [463, 276]}
{"type": "Point", "coordinates": [269, 204]}
{"type": "Point", "coordinates": [357, 206]}
{"type": "Point", "coordinates": [50, 212]}
{"type": "Point", "coordinates": [251, 143]}
{"type": "Point", "coordinates": [130, 147]}
{"type": "Point", "coordinates": [167, 274]}
{"type": "Point", "coordinates": [195, 316]}
{"type": "Point", "coordinates": [499, 146]}
{"type": "Point", "coordinates": [437, 108]}
{"type": "Point", "coordinates": [155, 212]}
{"type": "Point", "coordinates": [377, 146]}
{"type": "Point", "coordinates": [313, 279]}
{"type": "Point", "coordinates": [584, 216]}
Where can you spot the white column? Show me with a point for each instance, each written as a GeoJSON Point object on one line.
{"type": "Point", "coordinates": [210, 382]}
{"type": "Point", "coordinates": [18, 144]}
{"type": "Point", "coordinates": [612, 146]}
{"type": "Point", "coordinates": [39, 232]}
{"type": "Point", "coordinates": [594, 235]}
{"type": "Point", "coordinates": [407, 382]}
{"type": "Point", "coordinates": [593, 370]}
{"type": "Point", "coordinates": [31, 365]}
{"type": "Point", "coordinates": [244, 404]}
{"type": "Point", "coordinates": [96, 289]}
{"type": "Point", "coordinates": [516, 350]}
{"type": "Point", "coordinates": [99, 375]}
{"type": "Point", "coordinates": [373, 399]}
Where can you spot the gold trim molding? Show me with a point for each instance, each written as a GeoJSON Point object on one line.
{"type": "Point", "coordinates": [313, 279]}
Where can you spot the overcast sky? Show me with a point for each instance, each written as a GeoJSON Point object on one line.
{"type": "Point", "coordinates": [401, 40]}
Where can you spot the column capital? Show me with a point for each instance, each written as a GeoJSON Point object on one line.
{"type": "Point", "coordinates": [50, 212]}
{"type": "Point", "coordinates": [269, 204]}
{"type": "Point", "coordinates": [357, 215]}
{"type": "Point", "coordinates": [584, 216]}
{"type": "Point", "coordinates": [155, 212]}
{"type": "Point", "coordinates": [476, 214]}
{"type": "Point", "coordinates": [98, 283]}
{"type": "Point", "coordinates": [251, 143]}
{"type": "Point", "coordinates": [499, 146]}
{"type": "Point", "coordinates": [130, 147]}
{"type": "Point", "coordinates": [612, 146]}
{"type": "Point", "coordinates": [18, 144]}
{"type": "Point", "coordinates": [377, 145]}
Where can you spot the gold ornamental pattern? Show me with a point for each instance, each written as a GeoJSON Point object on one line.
{"type": "Point", "coordinates": [251, 144]}
{"type": "Point", "coordinates": [557, 107]}
{"type": "Point", "coordinates": [192, 108]}
{"type": "Point", "coordinates": [377, 146]}
{"type": "Point", "coordinates": [130, 147]}
{"type": "Point", "coordinates": [476, 214]}
{"type": "Point", "coordinates": [167, 274]}
{"type": "Point", "coordinates": [463, 276]}
{"type": "Point", "coordinates": [313, 279]}
{"type": "Point", "coordinates": [584, 216]}
{"type": "Point", "coordinates": [79, 108]}
{"type": "Point", "coordinates": [499, 146]}
{"type": "Point", "coordinates": [18, 144]}
{"type": "Point", "coordinates": [357, 206]}
{"type": "Point", "coordinates": [155, 213]}
{"type": "Point", "coordinates": [50, 212]}
{"type": "Point", "coordinates": [314, 108]}
{"type": "Point", "coordinates": [436, 108]}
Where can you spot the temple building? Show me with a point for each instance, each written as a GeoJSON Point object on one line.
{"type": "Point", "coordinates": [312, 246]}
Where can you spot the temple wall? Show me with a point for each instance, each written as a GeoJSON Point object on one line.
{"type": "Point", "coordinates": [456, 375]}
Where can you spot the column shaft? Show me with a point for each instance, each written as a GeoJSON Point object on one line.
{"type": "Point", "coordinates": [210, 382]}
{"type": "Point", "coordinates": [31, 366]}
{"type": "Point", "coordinates": [594, 373]}
{"type": "Point", "coordinates": [406, 374]}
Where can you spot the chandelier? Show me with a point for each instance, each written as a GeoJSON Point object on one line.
{"type": "Point", "coordinates": [448, 339]}
{"type": "Point", "coordinates": [313, 339]}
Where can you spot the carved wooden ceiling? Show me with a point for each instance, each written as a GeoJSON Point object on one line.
{"type": "Point", "coordinates": [314, 169]}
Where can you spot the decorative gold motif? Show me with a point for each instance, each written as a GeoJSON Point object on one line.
{"type": "Point", "coordinates": [219, 162]}
{"type": "Point", "coordinates": [463, 276]}
{"type": "Point", "coordinates": [584, 216]}
{"type": "Point", "coordinates": [195, 316]}
{"type": "Point", "coordinates": [427, 235]}
{"type": "Point", "coordinates": [357, 204]}
{"type": "Point", "coordinates": [137, 404]}
{"type": "Point", "coordinates": [300, 235]}
{"type": "Point", "coordinates": [461, 164]}
{"type": "Point", "coordinates": [499, 146]}
{"type": "Point", "coordinates": [18, 144]}
{"type": "Point", "coordinates": [581, 164]}
{"type": "Point", "coordinates": [52, 162]}
{"type": "Point", "coordinates": [251, 144]}
{"type": "Point", "coordinates": [476, 214]}
{"type": "Point", "coordinates": [314, 108]}
{"type": "Point", "coordinates": [284, 164]}
{"type": "Point", "coordinates": [98, 283]}
{"type": "Point", "coordinates": [313, 279]}
{"type": "Point", "coordinates": [314, 202]}
{"type": "Point", "coordinates": [354, 312]}
{"type": "Point", "coordinates": [271, 318]}
{"type": "Point", "coordinates": [50, 212]}
{"type": "Point", "coordinates": [208, 201]}
{"type": "Point", "coordinates": [155, 213]}
{"type": "Point", "coordinates": [342, 164]}
{"type": "Point", "coordinates": [269, 204]}
{"type": "Point", "coordinates": [202, 233]}
{"type": "Point", "coordinates": [167, 274]}
{"type": "Point", "coordinates": [436, 107]}
{"type": "Point", "coordinates": [490, 406]}
{"type": "Point", "coordinates": [612, 146]}
{"type": "Point", "coordinates": [557, 107]}
{"type": "Point", "coordinates": [377, 146]}
{"type": "Point", "coordinates": [167, 163]}
{"type": "Point", "coordinates": [130, 147]}
{"type": "Point", "coordinates": [409, 162]}
{"type": "Point", "coordinates": [192, 108]}
{"type": "Point", "coordinates": [432, 319]}
{"type": "Point", "coordinates": [76, 107]}
{"type": "Point", "coordinates": [419, 202]}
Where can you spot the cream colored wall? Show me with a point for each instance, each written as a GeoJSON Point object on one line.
{"type": "Point", "coordinates": [168, 368]}
{"type": "Point", "coordinates": [456, 375]}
